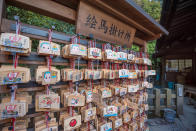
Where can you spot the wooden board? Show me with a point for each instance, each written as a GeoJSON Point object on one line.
{"type": "Point", "coordinates": [92, 21]}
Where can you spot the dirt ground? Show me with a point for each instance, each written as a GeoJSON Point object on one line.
{"type": "Point", "coordinates": [186, 122]}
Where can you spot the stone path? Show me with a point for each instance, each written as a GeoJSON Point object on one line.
{"type": "Point", "coordinates": [186, 122]}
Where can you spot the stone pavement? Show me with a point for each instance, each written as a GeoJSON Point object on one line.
{"type": "Point", "coordinates": [186, 122]}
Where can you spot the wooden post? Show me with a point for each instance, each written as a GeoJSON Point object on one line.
{"type": "Point", "coordinates": [2, 11]}
{"type": "Point", "coordinates": [194, 66]}
{"type": "Point", "coordinates": [157, 102]}
{"type": "Point", "coordinates": [168, 97]}
{"type": "Point", "coordinates": [163, 71]}
{"type": "Point", "coordinates": [179, 98]}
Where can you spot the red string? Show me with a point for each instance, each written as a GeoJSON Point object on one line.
{"type": "Point", "coordinates": [79, 40]}
{"type": "Point", "coordinates": [72, 111]}
{"type": "Point", "coordinates": [16, 61]}
{"type": "Point", "coordinates": [46, 119]}
{"type": "Point", "coordinates": [13, 124]}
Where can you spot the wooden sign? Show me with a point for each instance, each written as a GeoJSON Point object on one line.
{"type": "Point", "coordinates": [123, 73]}
{"type": "Point", "coordinates": [15, 43]}
{"type": "Point", "coordinates": [110, 111]}
{"type": "Point", "coordinates": [51, 101]}
{"type": "Point", "coordinates": [74, 50]}
{"type": "Point", "coordinates": [76, 100]}
{"type": "Point", "coordinates": [106, 127]}
{"type": "Point", "coordinates": [94, 53]}
{"type": "Point", "coordinates": [71, 123]}
{"type": "Point", "coordinates": [48, 48]}
{"type": "Point", "coordinates": [11, 75]}
{"type": "Point", "coordinates": [102, 26]}
{"type": "Point", "coordinates": [13, 109]}
{"type": "Point", "coordinates": [44, 76]}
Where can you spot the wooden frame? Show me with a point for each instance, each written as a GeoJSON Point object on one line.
{"type": "Point", "coordinates": [58, 11]}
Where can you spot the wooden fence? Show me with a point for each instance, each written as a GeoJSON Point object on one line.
{"type": "Point", "coordinates": [173, 100]}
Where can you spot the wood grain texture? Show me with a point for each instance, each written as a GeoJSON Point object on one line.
{"type": "Point", "coordinates": [47, 8]}
{"type": "Point", "coordinates": [92, 21]}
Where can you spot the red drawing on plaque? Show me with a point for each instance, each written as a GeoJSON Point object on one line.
{"type": "Point", "coordinates": [73, 123]}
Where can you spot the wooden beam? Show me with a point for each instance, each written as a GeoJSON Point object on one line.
{"type": "Point", "coordinates": [117, 14]}
{"type": "Point", "coordinates": [48, 8]}
{"type": "Point", "coordinates": [139, 41]}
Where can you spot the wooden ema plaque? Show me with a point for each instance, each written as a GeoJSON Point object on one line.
{"type": "Point", "coordinates": [10, 42]}
{"type": "Point", "coordinates": [115, 89]}
{"type": "Point", "coordinates": [131, 57]}
{"type": "Point", "coordinates": [89, 96]}
{"type": "Point", "coordinates": [110, 55]}
{"type": "Point", "coordinates": [116, 122]}
{"type": "Point", "coordinates": [71, 123]}
{"type": "Point", "coordinates": [126, 117]}
{"type": "Point", "coordinates": [48, 48]}
{"type": "Point", "coordinates": [11, 75]}
{"type": "Point", "coordinates": [13, 109]}
{"type": "Point", "coordinates": [96, 98]}
{"type": "Point", "coordinates": [123, 73]}
{"type": "Point", "coordinates": [133, 88]}
{"type": "Point", "coordinates": [90, 21]}
{"type": "Point", "coordinates": [41, 124]}
{"type": "Point", "coordinates": [132, 75]}
{"type": "Point", "coordinates": [112, 74]}
{"type": "Point", "coordinates": [133, 126]}
{"type": "Point", "coordinates": [49, 77]}
{"type": "Point", "coordinates": [151, 72]}
{"type": "Point", "coordinates": [109, 111]}
{"type": "Point", "coordinates": [123, 91]}
{"type": "Point", "coordinates": [97, 74]}
{"type": "Point", "coordinates": [88, 114]}
{"type": "Point", "coordinates": [122, 56]}
{"type": "Point", "coordinates": [76, 100]}
{"type": "Point", "coordinates": [106, 73]}
{"type": "Point", "coordinates": [94, 53]}
{"type": "Point", "coordinates": [105, 92]}
{"type": "Point", "coordinates": [44, 76]}
{"type": "Point", "coordinates": [51, 101]}
{"type": "Point", "coordinates": [88, 74]}
{"type": "Point", "coordinates": [74, 50]}
{"type": "Point", "coordinates": [105, 126]}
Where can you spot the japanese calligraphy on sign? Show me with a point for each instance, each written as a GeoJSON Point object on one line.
{"type": "Point", "coordinates": [102, 26]}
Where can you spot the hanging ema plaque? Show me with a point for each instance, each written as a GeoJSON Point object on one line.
{"type": "Point", "coordinates": [12, 109]}
{"type": "Point", "coordinates": [102, 26]}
